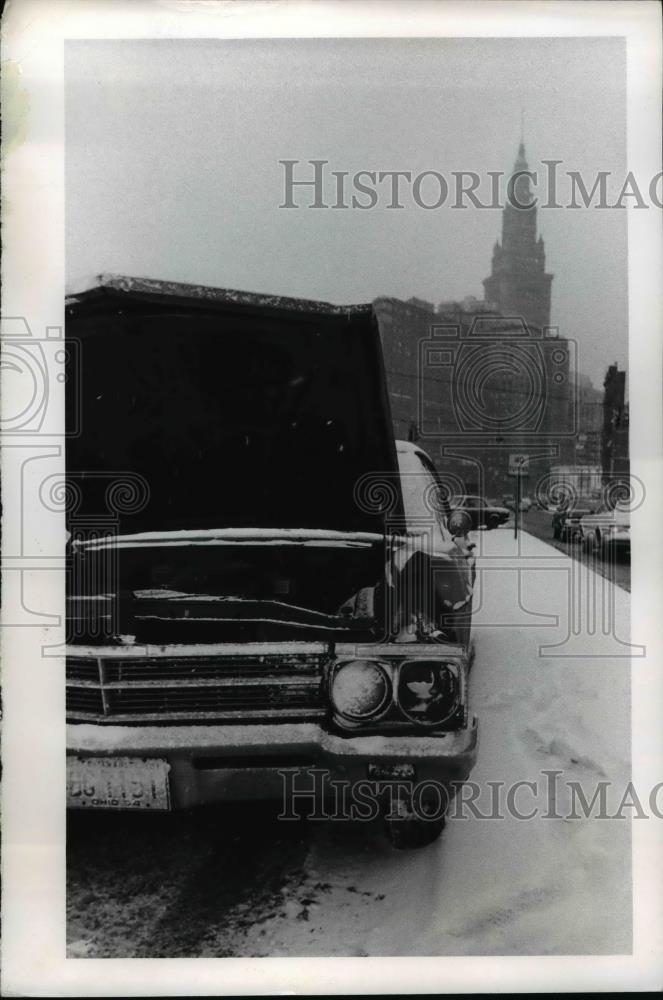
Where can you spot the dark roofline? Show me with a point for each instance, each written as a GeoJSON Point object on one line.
{"type": "Point", "coordinates": [171, 292]}
{"type": "Point", "coordinates": [491, 321]}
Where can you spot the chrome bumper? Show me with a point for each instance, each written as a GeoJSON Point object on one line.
{"type": "Point", "coordinates": [216, 763]}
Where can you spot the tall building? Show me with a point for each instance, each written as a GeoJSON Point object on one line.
{"type": "Point", "coordinates": [518, 284]}
{"type": "Point", "coordinates": [589, 402]}
{"type": "Point", "coordinates": [475, 381]}
{"type": "Point", "coordinates": [614, 436]}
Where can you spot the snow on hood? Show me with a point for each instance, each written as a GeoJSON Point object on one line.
{"type": "Point", "coordinates": [230, 536]}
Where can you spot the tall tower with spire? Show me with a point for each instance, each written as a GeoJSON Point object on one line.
{"type": "Point", "coordinates": [518, 284]}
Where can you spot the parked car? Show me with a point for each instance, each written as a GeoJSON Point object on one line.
{"type": "Point", "coordinates": [566, 519]}
{"type": "Point", "coordinates": [542, 502]}
{"type": "Point", "coordinates": [478, 511]}
{"type": "Point", "coordinates": [509, 501]}
{"type": "Point", "coordinates": [605, 529]}
{"type": "Point", "coordinates": [271, 582]}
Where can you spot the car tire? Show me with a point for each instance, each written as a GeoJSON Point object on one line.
{"type": "Point", "coordinates": [409, 832]}
{"type": "Point", "coordinates": [493, 522]}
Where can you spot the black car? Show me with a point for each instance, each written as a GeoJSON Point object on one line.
{"type": "Point", "coordinates": [479, 511]}
{"type": "Point", "coordinates": [280, 583]}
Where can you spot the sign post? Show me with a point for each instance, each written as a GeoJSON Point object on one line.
{"type": "Point", "coordinates": [519, 468]}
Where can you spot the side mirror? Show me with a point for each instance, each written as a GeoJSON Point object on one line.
{"type": "Point", "coordinates": [459, 522]}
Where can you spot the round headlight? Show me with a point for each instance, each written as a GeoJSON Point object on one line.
{"type": "Point", "coordinates": [360, 689]}
{"type": "Point", "coordinates": [428, 691]}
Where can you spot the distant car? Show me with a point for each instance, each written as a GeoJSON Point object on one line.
{"type": "Point", "coordinates": [509, 501]}
{"type": "Point", "coordinates": [479, 511]}
{"type": "Point", "coordinates": [567, 517]}
{"type": "Point", "coordinates": [604, 529]}
{"type": "Point", "coordinates": [545, 503]}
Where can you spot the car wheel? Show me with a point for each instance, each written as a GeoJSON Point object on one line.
{"type": "Point", "coordinates": [493, 522]}
{"type": "Point", "coordinates": [407, 831]}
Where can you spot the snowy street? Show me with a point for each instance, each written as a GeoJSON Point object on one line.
{"type": "Point", "coordinates": [550, 685]}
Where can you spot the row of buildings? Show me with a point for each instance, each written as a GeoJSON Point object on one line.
{"type": "Point", "coordinates": [478, 380]}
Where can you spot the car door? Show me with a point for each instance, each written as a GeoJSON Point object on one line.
{"type": "Point", "coordinates": [425, 503]}
{"type": "Point", "coordinates": [466, 548]}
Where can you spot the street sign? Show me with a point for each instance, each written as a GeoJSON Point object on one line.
{"type": "Point", "coordinates": [518, 465]}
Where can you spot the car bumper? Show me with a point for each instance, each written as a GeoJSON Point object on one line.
{"type": "Point", "coordinates": [211, 764]}
{"type": "Point", "coordinates": [618, 541]}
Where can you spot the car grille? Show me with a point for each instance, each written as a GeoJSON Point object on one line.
{"type": "Point", "coordinates": [271, 684]}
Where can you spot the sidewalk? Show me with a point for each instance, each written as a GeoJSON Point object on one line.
{"type": "Point", "coordinates": [617, 569]}
{"type": "Point", "coordinates": [525, 583]}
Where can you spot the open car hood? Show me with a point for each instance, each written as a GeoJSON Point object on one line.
{"type": "Point", "coordinates": [238, 584]}
{"type": "Point", "coordinates": [193, 408]}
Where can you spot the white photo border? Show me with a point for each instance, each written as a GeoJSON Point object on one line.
{"type": "Point", "coordinates": [33, 841]}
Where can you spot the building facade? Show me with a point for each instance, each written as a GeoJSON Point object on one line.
{"type": "Point", "coordinates": [472, 387]}
{"type": "Point", "coordinates": [615, 461]}
{"type": "Point", "coordinates": [582, 480]}
{"type": "Point", "coordinates": [587, 443]}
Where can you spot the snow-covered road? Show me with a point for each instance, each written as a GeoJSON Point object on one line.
{"type": "Point", "coordinates": [550, 685]}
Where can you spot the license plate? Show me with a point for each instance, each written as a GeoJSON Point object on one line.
{"type": "Point", "coordinates": [391, 772]}
{"type": "Point", "coordinates": [117, 783]}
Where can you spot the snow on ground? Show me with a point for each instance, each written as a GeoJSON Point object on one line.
{"type": "Point", "coordinates": [488, 886]}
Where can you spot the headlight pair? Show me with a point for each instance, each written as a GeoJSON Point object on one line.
{"type": "Point", "coordinates": [426, 692]}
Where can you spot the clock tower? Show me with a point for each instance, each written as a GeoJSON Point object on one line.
{"type": "Point", "coordinates": [518, 284]}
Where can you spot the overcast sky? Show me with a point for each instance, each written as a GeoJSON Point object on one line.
{"type": "Point", "coordinates": [172, 151]}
